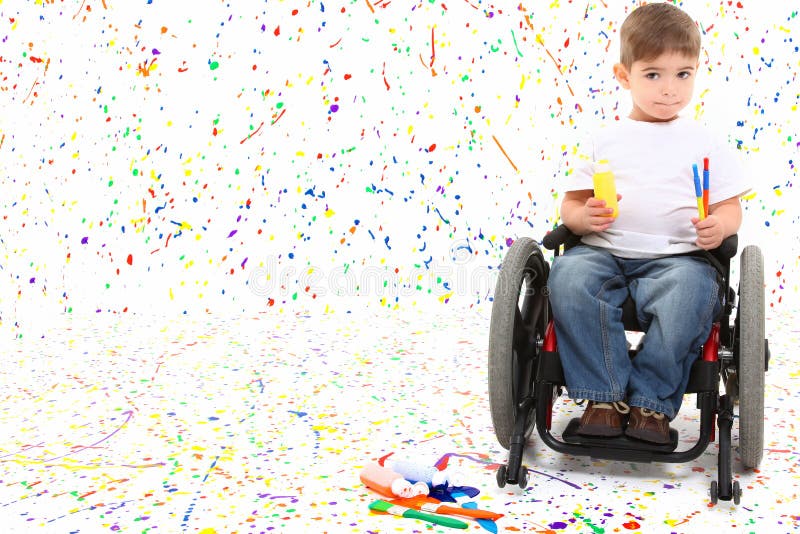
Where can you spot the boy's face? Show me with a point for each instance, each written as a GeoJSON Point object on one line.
{"type": "Point", "coordinates": [660, 87]}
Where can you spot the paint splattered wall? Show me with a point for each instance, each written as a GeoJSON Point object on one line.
{"type": "Point", "coordinates": [246, 156]}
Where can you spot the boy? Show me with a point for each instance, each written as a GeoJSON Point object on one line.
{"type": "Point", "coordinates": [647, 250]}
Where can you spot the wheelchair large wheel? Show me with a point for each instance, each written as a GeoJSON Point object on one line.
{"type": "Point", "coordinates": [751, 357]}
{"type": "Point", "coordinates": [519, 319]}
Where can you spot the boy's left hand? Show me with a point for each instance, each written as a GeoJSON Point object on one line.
{"type": "Point", "coordinates": [710, 232]}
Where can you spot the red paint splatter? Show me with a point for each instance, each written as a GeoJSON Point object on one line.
{"type": "Point", "coordinates": [130, 259]}
{"type": "Point", "coordinates": [257, 130]}
{"type": "Point", "coordinates": [383, 72]}
{"type": "Point", "coordinates": [631, 525]}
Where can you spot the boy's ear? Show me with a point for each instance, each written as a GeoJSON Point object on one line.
{"type": "Point", "coordinates": [622, 75]}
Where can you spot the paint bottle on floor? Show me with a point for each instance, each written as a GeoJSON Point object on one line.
{"type": "Point", "coordinates": [604, 187]}
{"type": "Point", "coordinates": [389, 483]}
{"type": "Point", "coordinates": [423, 473]}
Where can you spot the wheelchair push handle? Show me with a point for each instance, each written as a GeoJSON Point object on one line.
{"type": "Point", "coordinates": [561, 235]}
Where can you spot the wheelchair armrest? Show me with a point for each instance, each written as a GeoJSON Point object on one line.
{"type": "Point", "coordinates": [727, 249]}
{"type": "Point", "coordinates": [560, 236]}
{"type": "Point", "coordinates": [564, 236]}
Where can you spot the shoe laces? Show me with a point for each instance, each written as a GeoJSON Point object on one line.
{"type": "Point", "coordinates": [620, 406]}
{"type": "Point", "coordinates": [646, 412]}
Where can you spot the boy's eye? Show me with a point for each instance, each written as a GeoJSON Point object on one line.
{"type": "Point", "coordinates": [651, 75]}
{"type": "Point", "coordinates": [683, 75]}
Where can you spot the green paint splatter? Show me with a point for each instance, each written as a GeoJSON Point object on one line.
{"type": "Point", "coordinates": [514, 37]}
{"type": "Point", "coordinates": [588, 522]}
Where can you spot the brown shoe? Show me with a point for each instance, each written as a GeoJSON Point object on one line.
{"type": "Point", "coordinates": [648, 425]}
{"type": "Point", "coordinates": [603, 419]}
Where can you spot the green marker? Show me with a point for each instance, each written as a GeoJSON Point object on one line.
{"type": "Point", "coordinates": [402, 511]}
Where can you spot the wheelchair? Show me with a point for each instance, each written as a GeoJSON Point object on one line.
{"type": "Point", "coordinates": [525, 376]}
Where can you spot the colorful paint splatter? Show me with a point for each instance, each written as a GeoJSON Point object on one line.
{"type": "Point", "coordinates": [247, 247]}
{"type": "Point", "coordinates": [263, 424]}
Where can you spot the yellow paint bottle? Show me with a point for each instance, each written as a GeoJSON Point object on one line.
{"type": "Point", "coordinates": [604, 187]}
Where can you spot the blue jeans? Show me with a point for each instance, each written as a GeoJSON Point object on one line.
{"type": "Point", "coordinates": [677, 300]}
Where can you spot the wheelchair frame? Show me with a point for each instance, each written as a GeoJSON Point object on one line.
{"type": "Point", "coordinates": [525, 374]}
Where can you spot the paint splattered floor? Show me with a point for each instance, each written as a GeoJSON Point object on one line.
{"type": "Point", "coordinates": [262, 424]}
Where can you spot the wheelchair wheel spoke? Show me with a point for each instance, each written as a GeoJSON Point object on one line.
{"type": "Point", "coordinates": [522, 335]}
{"type": "Point", "coordinates": [530, 317]}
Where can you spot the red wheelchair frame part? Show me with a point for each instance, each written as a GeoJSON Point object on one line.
{"type": "Point", "coordinates": [710, 354]}
{"type": "Point", "coordinates": [550, 345]}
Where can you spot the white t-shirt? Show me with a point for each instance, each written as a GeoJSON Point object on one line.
{"type": "Point", "coordinates": [652, 167]}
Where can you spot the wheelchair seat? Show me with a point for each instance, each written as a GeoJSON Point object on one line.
{"type": "Point", "coordinates": [719, 258]}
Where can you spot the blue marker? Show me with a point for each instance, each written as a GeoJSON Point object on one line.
{"type": "Point", "coordinates": [698, 192]}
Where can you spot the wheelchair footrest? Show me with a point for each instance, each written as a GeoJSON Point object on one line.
{"type": "Point", "coordinates": [619, 447]}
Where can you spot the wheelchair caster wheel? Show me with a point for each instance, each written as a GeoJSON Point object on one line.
{"type": "Point", "coordinates": [522, 477]}
{"type": "Point", "coordinates": [713, 492]}
{"type": "Point", "coordinates": [501, 476]}
{"type": "Point", "coordinates": [737, 493]}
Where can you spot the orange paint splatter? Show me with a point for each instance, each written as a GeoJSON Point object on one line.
{"type": "Point", "coordinates": [144, 69]}
{"type": "Point", "coordinates": [503, 150]}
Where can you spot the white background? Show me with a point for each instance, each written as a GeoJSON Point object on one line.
{"type": "Point", "coordinates": [91, 146]}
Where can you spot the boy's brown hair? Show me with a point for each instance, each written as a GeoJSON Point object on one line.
{"type": "Point", "coordinates": [654, 29]}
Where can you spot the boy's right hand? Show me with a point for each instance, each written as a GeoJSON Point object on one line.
{"type": "Point", "coordinates": [583, 213]}
{"type": "Point", "coordinates": [596, 216]}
